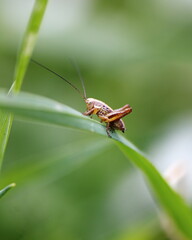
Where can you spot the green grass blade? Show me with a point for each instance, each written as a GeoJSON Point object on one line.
{"type": "Point", "coordinates": [5, 127]}
{"type": "Point", "coordinates": [172, 202]}
{"type": "Point", "coordinates": [49, 111]}
{"type": "Point", "coordinates": [20, 69]}
{"type": "Point", "coordinates": [28, 42]}
{"type": "Point", "coordinates": [6, 189]}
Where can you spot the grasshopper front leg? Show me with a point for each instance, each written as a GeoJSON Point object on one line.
{"type": "Point", "coordinates": [89, 112]}
{"type": "Point", "coordinates": [92, 111]}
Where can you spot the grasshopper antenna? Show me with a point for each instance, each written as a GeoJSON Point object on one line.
{"type": "Point", "coordinates": [80, 76]}
{"type": "Point", "coordinates": [67, 81]}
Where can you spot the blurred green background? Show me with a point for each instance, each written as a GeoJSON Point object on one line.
{"type": "Point", "coordinates": [74, 185]}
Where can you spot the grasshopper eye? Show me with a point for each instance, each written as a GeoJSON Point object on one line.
{"type": "Point", "coordinates": [88, 102]}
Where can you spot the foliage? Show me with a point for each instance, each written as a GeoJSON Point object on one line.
{"type": "Point", "coordinates": [75, 189]}
{"type": "Point", "coordinates": [48, 111]}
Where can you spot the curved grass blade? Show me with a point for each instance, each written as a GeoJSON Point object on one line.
{"type": "Point", "coordinates": [20, 69]}
{"type": "Point", "coordinates": [5, 127]}
{"type": "Point", "coordinates": [6, 189]}
{"type": "Point", "coordinates": [28, 42]}
{"type": "Point", "coordinates": [171, 201]}
{"type": "Point", "coordinates": [49, 111]}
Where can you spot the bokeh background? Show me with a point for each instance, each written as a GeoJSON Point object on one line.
{"type": "Point", "coordinates": [74, 185]}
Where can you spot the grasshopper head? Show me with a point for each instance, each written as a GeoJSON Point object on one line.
{"type": "Point", "coordinates": [90, 103]}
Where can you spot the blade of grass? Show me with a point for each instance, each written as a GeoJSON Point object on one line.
{"type": "Point", "coordinates": [49, 111]}
{"type": "Point", "coordinates": [28, 42]}
{"type": "Point", "coordinates": [6, 189]}
{"type": "Point", "coordinates": [172, 202]}
{"type": "Point", "coordinates": [25, 53]}
{"type": "Point", "coordinates": [5, 127]}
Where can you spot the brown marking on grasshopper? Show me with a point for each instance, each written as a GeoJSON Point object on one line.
{"type": "Point", "coordinates": [111, 117]}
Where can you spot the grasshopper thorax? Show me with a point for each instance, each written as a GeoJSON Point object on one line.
{"type": "Point", "coordinates": [97, 104]}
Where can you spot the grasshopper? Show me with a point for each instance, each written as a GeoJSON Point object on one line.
{"type": "Point", "coordinates": [111, 117]}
